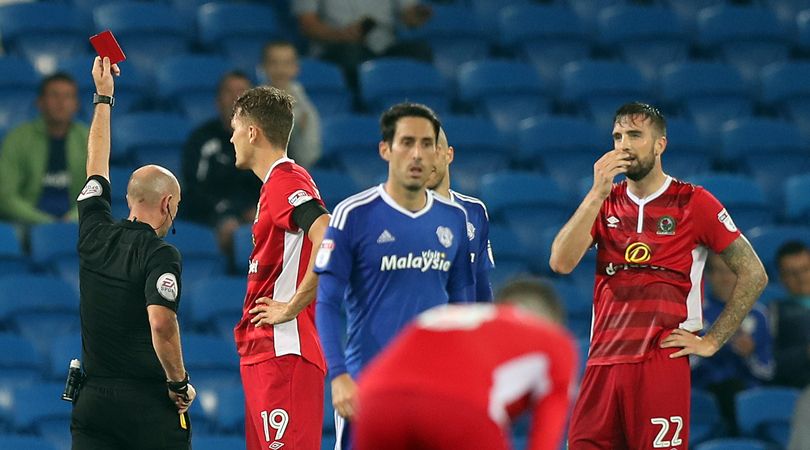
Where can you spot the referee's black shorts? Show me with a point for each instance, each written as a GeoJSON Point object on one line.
{"type": "Point", "coordinates": [116, 414]}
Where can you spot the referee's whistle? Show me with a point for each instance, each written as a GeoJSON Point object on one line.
{"type": "Point", "coordinates": [183, 421]}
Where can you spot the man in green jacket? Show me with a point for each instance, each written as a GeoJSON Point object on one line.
{"type": "Point", "coordinates": [42, 162]}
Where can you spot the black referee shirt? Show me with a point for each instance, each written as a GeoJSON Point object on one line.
{"type": "Point", "coordinates": [124, 267]}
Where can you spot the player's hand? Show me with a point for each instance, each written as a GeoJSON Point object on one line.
{"type": "Point", "coordinates": [103, 75]}
{"type": "Point", "coordinates": [269, 312]}
{"type": "Point", "coordinates": [606, 168]}
{"type": "Point", "coordinates": [183, 402]}
{"type": "Point", "coordinates": [344, 396]}
{"type": "Point", "coordinates": [689, 344]}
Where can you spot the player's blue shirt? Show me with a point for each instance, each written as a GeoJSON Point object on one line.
{"type": "Point", "coordinates": [386, 265]}
{"type": "Point", "coordinates": [480, 248]}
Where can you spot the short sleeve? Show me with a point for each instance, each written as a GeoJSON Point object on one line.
{"type": "Point", "coordinates": [163, 285]}
{"type": "Point", "coordinates": [93, 203]}
{"type": "Point", "coordinates": [284, 194]}
{"type": "Point", "coordinates": [335, 253]}
{"type": "Point", "coordinates": [713, 224]}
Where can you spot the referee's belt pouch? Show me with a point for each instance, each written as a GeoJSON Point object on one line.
{"type": "Point", "coordinates": [73, 384]}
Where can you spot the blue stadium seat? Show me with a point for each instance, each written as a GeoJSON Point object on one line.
{"type": "Point", "coordinates": [229, 412]}
{"type": "Point", "coordinates": [506, 91]}
{"type": "Point", "coordinates": [770, 150]}
{"type": "Point", "coordinates": [386, 81]}
{"type": "Point", "coordinates": [598, 88]}
{"type": "Point", "coordinates": [44, 32]}
{"type": "Point", "coordinates": [212, 360]}
{"type": "Point", "coordinates": [686, 153]}
{"type": "Point", "coordinates": [237, 31]}
{"type": "Point", "coordinates": [741, 196]}
{"type": "Point", "coordinates": [150, 33]}
{"type": "Point", "coordinates": [578, 304]}
{"type": "Point", "coordinates": [785, 90]}
{"type": "Point", "coordinates": [748, 37]}
{"type": "Point", "coordinates": [18, 91]}
{"type": "Point", "coordinates": [687, 10]}
{"type": "Point", "coordinates": [325, 86]}
{"type": "Point", "coordinates": [547, 36]}
{"type": "Point", "coordinates": [215, 442]}
{"type": "Point", "coordinates": [487, 11]}
{"type": "Point", "coordinates": [510, 258]}
{"type": "Point", "coordinates": [455, 35]}
{"type": "Point", "coordinates": [647, 37]}
{"type": "Point", "coordinates": [797, 200]}
{"type": "Point", "coordinates": [216, 304]}
{"type": "Point", "coordinates": [24, 442]}
{"type": "Point", "coordinates": [201, 256]}
{"type": "Point", "coordinates": [479, 149]}
{"type": "Point", "coordinates": [51, 307]}
{"type": "Point", "coordinates": [589, 10]}
{"type": "Point", "coordinates": [513, 197]}
{"type": "Point", "coordinates": [62, 348]}
{"type": "Point", "coordinates": [353, 146]}
{"type": "Point", "coordinates": [334, 186]}
{"type": "Point", "coordinates": [243, 247]}
{"type": "Point", "coordinates": [787, 11]}
{"type": "Point", "coordinates": [766, 412]}
{"type": "Point", "coordinates": [506, 270]}
{"type": "Point", "coordinates": [709, 92]}
{"type": "Point", "coordinates": [705, 420]}
{"type": "Point", "coordinates": [767, 240]}
{"type": "Point", "coordinates": [561, 146]}
{"type": "Point", "coordinates": [12, 260]}
{"type": "Point", "coordinates": [733, 444]}
{"type": "Point", "coordinates": [20, 363]}
{"type": "Point", "coordinates": [33, 407]}
{"type": "Point", "coordinates": [53, 247]}
{"type": "Point", "coordinates": [188, 83]}
{"type": "Point", "coordinates": [151, 138]}
{"type": "Point", "coordinates": [803, 23]}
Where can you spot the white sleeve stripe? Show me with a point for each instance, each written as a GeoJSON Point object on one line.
{"type": "Point", "coordinates": [346, 202]}
{"type": "Point", "coordinates": [477, 201]}
{"type": "Point", "coordinates": [345, 207]}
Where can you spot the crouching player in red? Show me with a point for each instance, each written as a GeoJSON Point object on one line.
{"type": "Point", "coordinates": [458, 375]}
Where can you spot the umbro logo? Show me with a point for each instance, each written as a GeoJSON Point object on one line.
{"type": "Point", "coordinates": [612, 222]}
{"type": "Point", "coordinates": [385, 237]}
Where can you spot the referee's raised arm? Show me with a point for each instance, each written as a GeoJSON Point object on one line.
{"type": "Point", "coordinates": [98, 144]}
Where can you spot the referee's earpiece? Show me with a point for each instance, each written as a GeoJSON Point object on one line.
{"type": "Point", "coordinates": [169, 212]}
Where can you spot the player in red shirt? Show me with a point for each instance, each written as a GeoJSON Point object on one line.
{"type": "Point", "coordinates": [652, 234]}
{"type": "Point", "coordinates": [457, 376]}
{"type": "Point", "coordinates": [282, 363]}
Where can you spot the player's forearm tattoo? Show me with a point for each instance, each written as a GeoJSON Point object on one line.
{"type": "Point", "coordinates": [751, 280]}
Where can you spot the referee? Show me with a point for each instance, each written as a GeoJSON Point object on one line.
{"type": "Point", "coordinates": [136, 395]}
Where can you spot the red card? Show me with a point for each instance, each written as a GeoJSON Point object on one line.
{"type": "Point", "coordinates": [106, 45]}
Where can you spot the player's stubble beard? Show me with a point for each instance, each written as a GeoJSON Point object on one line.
{"type": "Point", "coordinates": [642, 167]}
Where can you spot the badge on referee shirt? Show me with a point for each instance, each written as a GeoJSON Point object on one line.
{"type": "Point", "coordinates": [167, 286]}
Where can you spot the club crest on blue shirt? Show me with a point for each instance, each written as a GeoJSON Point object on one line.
{"type": "Point", "coordinates": [470, 230]}
{"type": "Point", "coordinates": [445, 236]}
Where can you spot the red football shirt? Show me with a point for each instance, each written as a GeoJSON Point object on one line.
{"type": "Point", "coordinates": [278, 263]}
{"type": "Point", "coordinates": [497, 359]}
{"type": "Point", "coordinates": [649, 269]}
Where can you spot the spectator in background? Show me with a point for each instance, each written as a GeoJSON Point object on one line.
{"type": "Point", "coordinates": [42, 162]}
{"type": "Point", "coordinates": [747, 361]}
{"type": "Point", "coordinates": [215, 192]}
{"type": "Point", "coordinates": [348, 32]}
{"type": "Point", "coordinates": [791, 316]}
{"type": "Point", "coordinates": [280, 64]}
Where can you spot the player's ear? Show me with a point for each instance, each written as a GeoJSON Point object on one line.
{"type": "Point", "coordinates": [253, 133]}
{"type": "Point", "coordinates": [660, 145]}
{"type": "Point", "coordinates": [385, 150]}
{"type": "Point", "coordinates": [451, 154]}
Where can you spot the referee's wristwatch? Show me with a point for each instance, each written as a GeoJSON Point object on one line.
{"type": "Point", "coordinates": [103, 99]}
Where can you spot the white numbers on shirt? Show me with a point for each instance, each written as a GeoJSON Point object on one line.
{"type": "Point", "coordinates": [664, 423]}
{"type": "Point", "coordinates": [277, 419]}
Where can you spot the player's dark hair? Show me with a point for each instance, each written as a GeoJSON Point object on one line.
{"type": "Point", "coordinates": [58, 76]}
{"type": "Point", "coordinates": [229, 75]}
{"type": "Point", "coordinates": [533, 294]}
{"type": "Point", "coordinates": [390, 118]}
{"type": "Point", "coordinates": [271, 109]}
{"type": "Point", "coordinates": [790, 248]}
{"type": "Point", "coordinates": [644, 110]}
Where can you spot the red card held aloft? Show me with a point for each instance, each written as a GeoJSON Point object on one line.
{"type": "Point", "coordinates": [106, 45]}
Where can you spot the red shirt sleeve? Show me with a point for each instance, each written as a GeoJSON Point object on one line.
{"type": "Point", "coordinates": [288, 190]}
{"type": "Point", "coordinates": [713, 224]}
{"type": "Point", "coordinates": [551, 412]}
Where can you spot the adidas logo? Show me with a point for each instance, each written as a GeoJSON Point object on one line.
{"type": "Point", "coordinates": [385, 237]}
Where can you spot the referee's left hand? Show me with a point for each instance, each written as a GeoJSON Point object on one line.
{"type": "Point", "coordinates": [689, 343]}
{"type": "Point", "coordinates": [269, 312]}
